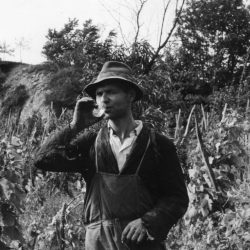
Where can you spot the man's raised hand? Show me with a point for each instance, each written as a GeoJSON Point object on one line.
{"type": "Point", "coordinates": [83, 114]}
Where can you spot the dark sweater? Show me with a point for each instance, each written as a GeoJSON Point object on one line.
{"type": "Point", "coordinates": [161, 172]}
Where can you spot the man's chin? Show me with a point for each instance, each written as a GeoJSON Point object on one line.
{"type": "Point", "coordinates": [107, 116]}
{"type": "Point", "coordinates": [110, 116]}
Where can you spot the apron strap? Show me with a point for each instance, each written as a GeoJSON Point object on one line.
{"type": "Point", "coordinates": [151, 138]}
{"type": "Point", "coordinates": [96, 153]}
{"type": "Point", "coordinates": [143, 156]}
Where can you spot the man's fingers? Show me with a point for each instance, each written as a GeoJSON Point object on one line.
{"type": "Point", "coordinates": [130, 233]}
{"type": "Point", "coordinates": [125, 231]}
{"type": "Point", "coordinates": [141, 237]}
{"type": "Point", "coordinates": [134, 231]}
{"type": "Point", "coordinates": [85, 99]}
{"type": "Point", "coordinates": [136, 234]}
{"type": "Point", "coordinates": [86, 103]}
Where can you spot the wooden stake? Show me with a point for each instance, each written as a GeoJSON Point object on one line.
{"type": "Point", "coordinates": [247, 107]}
{"type": "Point", "coordinates": [224, 113]}
{"type": "Point", "coordinates": [188, 124]}
{"type": "Point", "coordinates": [7, 125]}
{"type": "Point", "coordinates": [204, 117]}
{"type": "Point", "coordinates": [205, 156]}
{"type": "Point", "coordinates": [177, 124]}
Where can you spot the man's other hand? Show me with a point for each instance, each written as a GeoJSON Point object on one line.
{"type": "Point", "coordinates": [134, 232]}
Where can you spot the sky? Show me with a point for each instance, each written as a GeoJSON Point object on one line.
{"type": "Point", "coordinates": [27, 21]}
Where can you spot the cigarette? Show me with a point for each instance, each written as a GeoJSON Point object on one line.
{"type": "Point", "coordinates": [98, 112]}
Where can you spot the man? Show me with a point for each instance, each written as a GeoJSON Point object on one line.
{"type": "Point", "coordinates": [135, 188]}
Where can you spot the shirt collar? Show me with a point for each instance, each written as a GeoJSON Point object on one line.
{"type": "Point", "coordinates": [136, 131]}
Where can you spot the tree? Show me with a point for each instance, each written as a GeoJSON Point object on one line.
{"type": "Point", "coordinates": [79, 54]}
{"type": "Point", "coordinates": [162, 44]}
{"type": "Point", "coordinates": [78, 47]}
{"type": "Point", "coordinates": [21, 44]}
{"type": "Point", "coordinates": [137, 42]}
{"type": "Point", "coordinates": [5, 50]}
{"type": "Point", "coordinates": [214, 37]}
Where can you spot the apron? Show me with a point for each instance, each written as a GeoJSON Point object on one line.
{"type": "Point", "coordinates": [113, 201]}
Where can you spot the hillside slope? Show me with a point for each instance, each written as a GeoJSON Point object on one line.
{"type": "Point", "coordinates": [24, 90]}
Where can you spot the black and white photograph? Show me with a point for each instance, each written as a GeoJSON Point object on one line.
{"type": "Point", "coordinates": [125, 125]}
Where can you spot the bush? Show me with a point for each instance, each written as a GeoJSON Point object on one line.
{"type": "Point", "coordinates": [15, 99]}
{"type": "Point", "coordinates": [3, 77]}
{"type": "Point", "coordinates": [218, 214]}
{"type": "Point", "coordinates": [46, 66]}
{"type": "Point", "coordinates": [234, 96]}
{"type": "Point", "coordinates": [65, 86]}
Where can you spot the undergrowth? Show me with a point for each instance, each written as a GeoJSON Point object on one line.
{"type": "Point", "coordinates": [43, 210]}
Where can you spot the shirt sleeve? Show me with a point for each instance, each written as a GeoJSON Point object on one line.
{"type": "Point", "coordinates": [63, 152]}
{"type": "Point", "coordinates": [173, 199]}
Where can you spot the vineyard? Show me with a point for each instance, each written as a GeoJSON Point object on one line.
{"type": "Point", "coordinates": [196, 81]}
{"type": "Point", "coordinates": [43, 210]}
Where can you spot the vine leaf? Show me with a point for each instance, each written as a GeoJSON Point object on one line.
{"type": "Point", "coordinates": [12, 193]}
{"type": "Point", "coordinates": [7, 215]}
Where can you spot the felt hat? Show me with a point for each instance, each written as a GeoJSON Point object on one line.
{"type": "Point", "coordinates": [114, 70]}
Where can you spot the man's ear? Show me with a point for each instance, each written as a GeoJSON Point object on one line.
{"type": "Point", "coordinates": [132, 95]}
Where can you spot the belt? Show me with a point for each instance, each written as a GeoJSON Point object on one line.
{"type": "Point", "coordinates": [107, 222]}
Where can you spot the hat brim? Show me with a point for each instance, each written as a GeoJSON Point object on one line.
{"type": "Point", "coordinates": [90, 89]}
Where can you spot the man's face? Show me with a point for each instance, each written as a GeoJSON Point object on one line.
{"type": "Point", "coordinates": [114, 100]}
